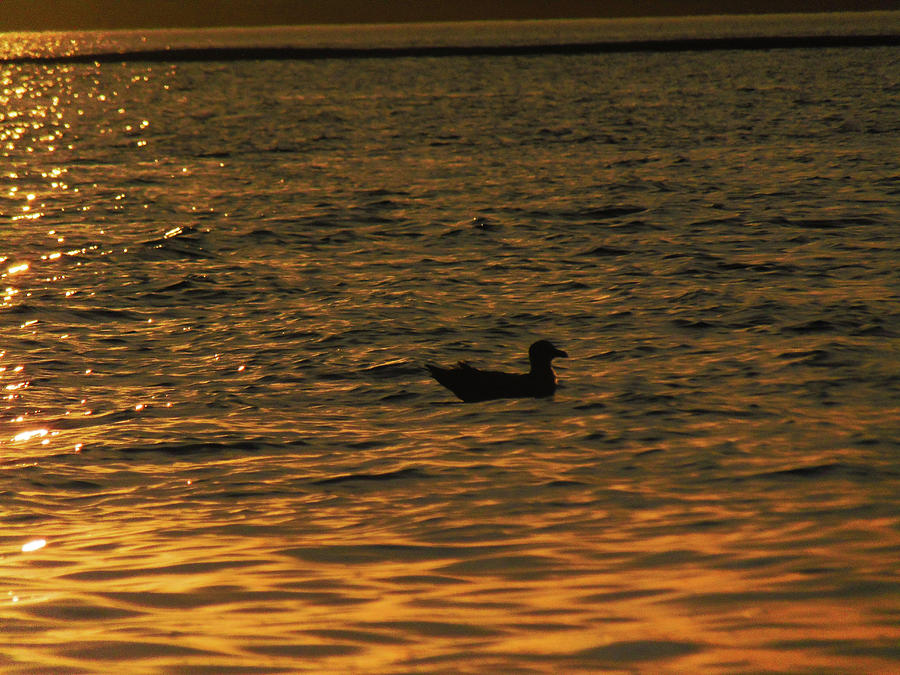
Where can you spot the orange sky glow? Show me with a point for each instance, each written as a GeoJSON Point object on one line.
{"type": "Point", "coordinates": [18, 15]}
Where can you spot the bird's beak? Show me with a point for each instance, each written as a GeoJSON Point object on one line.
{"type": "Point", "coordinates": [560, 352]}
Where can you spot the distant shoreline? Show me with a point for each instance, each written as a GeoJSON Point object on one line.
{"type": "Point", "coordinates": [206, 54]}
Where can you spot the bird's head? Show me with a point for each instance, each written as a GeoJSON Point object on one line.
{"type": "Point", "coordinates": [542, 350]}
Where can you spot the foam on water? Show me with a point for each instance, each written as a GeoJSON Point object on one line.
{"type": "Point", "coordinates": [221, 282]}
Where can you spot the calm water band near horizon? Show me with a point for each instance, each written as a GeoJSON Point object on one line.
{"type": "Point", "coordinates": [245, 53]}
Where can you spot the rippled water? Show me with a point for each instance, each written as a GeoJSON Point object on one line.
{"type": "Point", "coordinates": [221, 453]}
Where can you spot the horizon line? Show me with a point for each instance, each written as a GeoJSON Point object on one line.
{"type": "Point", "coordinates": [207, 54]}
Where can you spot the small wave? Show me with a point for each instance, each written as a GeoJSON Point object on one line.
{"type": "Point", "coordinates": [814, 326]}
{"type": "Point", "coordinates": [399, 396]}
{"type": "Point", "coordinates": [81, 314]}
{"type": "Point", "coordinates": [177, 243]}
{"type": "Point", "coordinates": [590, 405]}
{"type": "Point", "coordinates": [215, 154]}
{"type": "Point", "coordinates": [366, 553]}
{"type": "Point", "coordinates": [74, 485]}
{"type": "Point", "coordinates": [304, 651]}
{"type": "Point", "coordinates": [110, 651]}
{"type": "Point", "coordinates": [391, 369]}
{"type": "Point", "coordinates": [74, 612]}
{"type": "Point", "coordinates": [208, 447]}
{"type": "Point", "coordinates": [639, 651]}
{"type": "Point", "coordinates": [635, 227]}
{"type": "Point", "coordinates": [606, 252]}
{"type": "Point", "coordinates": [835, 356]}
{"type": "Point", "coordinates": [757, 267]}
{"type": "Point", "coordinates": [688, 324]}
{"type": "Point", "coordinates": [611, 212]}
{"type": "Point", "coordinates": [85, 421]}
{"type": "Point", "coordinates": [826, 223]}
{"type": "Point", "coordinates": [826, 470]}
{"type": "Point", "coordinates": [562, 483]}
{"type": "Point", "coordinates": [400, 474]}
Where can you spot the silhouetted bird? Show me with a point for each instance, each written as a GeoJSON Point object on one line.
{"type": "Point", "coordinates": [471, 384]}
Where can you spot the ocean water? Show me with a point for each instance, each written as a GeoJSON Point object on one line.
{"type": "Point", "coordinates": [220, 451]}
{"type": "Point", "coordinates": [464, 34]}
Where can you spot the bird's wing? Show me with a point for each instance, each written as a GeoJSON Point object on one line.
{"type": "Point", "coordinates": [471, 384]}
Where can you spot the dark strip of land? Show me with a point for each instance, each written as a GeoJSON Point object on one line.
{"type": "Point", "coordinates": [310, 53]}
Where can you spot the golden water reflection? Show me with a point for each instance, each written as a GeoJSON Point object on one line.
{"type": "Point", "coordinates": [223, 439]}
{"type": "Point", "coordinates": [323, 578]}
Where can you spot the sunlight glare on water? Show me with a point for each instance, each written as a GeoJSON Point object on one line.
{"type": "Point", "coordinates": [221, 451]}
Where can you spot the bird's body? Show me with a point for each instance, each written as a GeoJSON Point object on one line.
{"type": "Point", "coordinates": [471, 384]}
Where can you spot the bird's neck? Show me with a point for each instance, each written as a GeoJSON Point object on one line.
{"type": "Point", "coordinates": [542, 369]}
